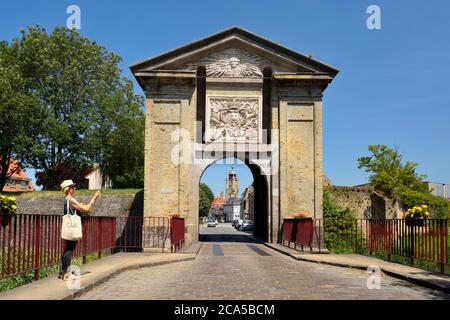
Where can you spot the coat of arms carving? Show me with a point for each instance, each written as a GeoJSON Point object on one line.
{"type": "Point", "coordinates": [234, 119]}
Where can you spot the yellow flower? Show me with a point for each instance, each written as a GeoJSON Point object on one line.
{"type": "Point", "coordinates": [425, 206]}
{"type": "Point", "coordinates": [2, 196]}
{"type": "Point", "coordinates": [427, 213]}
{"type": "Point", "coordinates": [419, 209]}
{"type": "Point", "coordinates": [14, 207]}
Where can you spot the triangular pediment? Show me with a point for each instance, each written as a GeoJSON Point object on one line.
{"type": "Point", "coordinates": [234, 53]}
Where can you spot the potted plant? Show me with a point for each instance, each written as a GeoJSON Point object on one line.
{"type": "Point", "coordinates": [415, 216]}
{"type": "Point", "coordinates": [176, 215]}
{"type": "Point", "coordinates": [301, 215]}
{"type": "Point", "coordinates": [8, 207]}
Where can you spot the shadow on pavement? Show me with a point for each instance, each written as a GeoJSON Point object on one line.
{"type": "Point", "coordinates": [227, 238]}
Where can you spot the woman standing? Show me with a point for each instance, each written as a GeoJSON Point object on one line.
{"type": "Point", "coordinates": [71, 206]}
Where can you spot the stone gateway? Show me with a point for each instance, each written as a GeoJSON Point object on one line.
{"type": "Point", "coordinates": [234, 94]}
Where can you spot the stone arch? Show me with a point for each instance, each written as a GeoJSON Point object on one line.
{"type": "Point", "coordinates": [261, 185]}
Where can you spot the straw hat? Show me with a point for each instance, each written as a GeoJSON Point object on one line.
{"type": "Point", "coordinates": [66, 183]}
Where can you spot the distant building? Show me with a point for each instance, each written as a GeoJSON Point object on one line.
{"type": "Point", "coordinates": [248, 204]}
{"type": "Point", "coordinates": [97, 180]}
{"type": "Point", "coordinates": [19, 181]}
{"type": "Point", "coordinates": [231, 185]}
{"type": "Point", "coordinates": [232, 206]}
{"type": "Point", "coordinates": [439, 189]}
{"type": "Point", "coordinates": [217, 210]}
{"type": "Point", "coordinates": [232, 209]}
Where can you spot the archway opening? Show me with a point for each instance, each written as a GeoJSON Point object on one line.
{"type": "Point", "coordinates": [239, 211]}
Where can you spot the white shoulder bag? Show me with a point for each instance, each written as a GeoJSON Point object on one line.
{"type": "Point", "coordinates": [71, 226]}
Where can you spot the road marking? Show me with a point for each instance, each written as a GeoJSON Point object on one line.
{"type": "Point", "coordinates": [217, 249]}
{"type": "Point", "coordinates": [258, 250]}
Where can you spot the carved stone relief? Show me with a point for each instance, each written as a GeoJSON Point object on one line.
{"type": "Point", "coordinates": [233, 63]}
{"type": "Point", "coordinates": [233, 119]}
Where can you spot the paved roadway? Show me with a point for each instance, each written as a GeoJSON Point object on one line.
{"type": "Point", "coordinates": [230, 265]}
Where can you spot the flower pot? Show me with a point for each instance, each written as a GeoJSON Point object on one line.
{"type": "Point", "coordinates": [415, 222]}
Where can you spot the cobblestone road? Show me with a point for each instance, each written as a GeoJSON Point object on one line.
{"type": "Point", "coordinates": [236, 268]}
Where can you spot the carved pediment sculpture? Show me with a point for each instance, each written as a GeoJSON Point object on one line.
{"type": "Point", "coordinates": [234, 119]}
{"type": "Point", "coordinates": [233, 63]}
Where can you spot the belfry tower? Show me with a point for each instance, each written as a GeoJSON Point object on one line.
{"type": "Point", "coordinates": [231, 185]}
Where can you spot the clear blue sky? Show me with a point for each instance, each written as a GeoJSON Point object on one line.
{"type": "Point", "coordinates": [393, 87]}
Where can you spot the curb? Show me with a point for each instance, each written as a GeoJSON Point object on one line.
{"type": "Point", "coordinates": [116, 272]}
{"type": "Point", "coordinates": [421, 282]}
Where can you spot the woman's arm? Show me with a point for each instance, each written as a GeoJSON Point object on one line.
{"type": "Point", "coordinates": [85, 207]}
{"type": "Point", "coordinates": [80, 207]}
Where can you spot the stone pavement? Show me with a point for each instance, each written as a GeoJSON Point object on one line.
{"type": "Point", "coordinates": [251, 270]}
{"type": "Point", "coordinates": [429, 279]}
{"type": "Point", "coordinates": [52, 288]}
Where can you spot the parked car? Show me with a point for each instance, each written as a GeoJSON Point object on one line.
{"type": "Point", "coordinates": [246, 225]}
{"type": "Point", "coordinates": [211, 223]}
{"type": "Point", "coordinates": [238, 224]}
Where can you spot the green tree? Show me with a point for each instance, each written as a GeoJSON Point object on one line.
{"type": "Point", "coordinates": [205, 200]}
{"type": "Point", "coordinates": [399, 180]}
{"type": "Point", "coordinates": [84, 100]}
{"type": "Point", "coordinates": [389, 173]}
{"type": "Point", "coordinates": [124, 146]}
{"type": "Point", "coordinates": [20, 115]}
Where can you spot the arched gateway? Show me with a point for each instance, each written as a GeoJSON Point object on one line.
{"type": "Point", "coordinates": [234, 94]}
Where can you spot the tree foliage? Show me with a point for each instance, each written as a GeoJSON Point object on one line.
{"type": "Point", "coordinates": [398, 179]}
{"type": "Point", "coordinates": [389, 173]}
{"type": "Point", "coordinates": [20, 113]}
{"type": "Point", "coordinates": [88, 112]}
{"type": "Point", "coordinates": [205, 199]}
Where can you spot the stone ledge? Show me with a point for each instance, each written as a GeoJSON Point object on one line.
{"type": "Point", "coordinates": [424, 278]}
{"type": "Point", "coordinates": [97, 272]}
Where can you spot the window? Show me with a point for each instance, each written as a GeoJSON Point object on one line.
{"type": "Point", "coordinates": [23, 184]}
{"type": "Point", "coordinates": [12, 183]}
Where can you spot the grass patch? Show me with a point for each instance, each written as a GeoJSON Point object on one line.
{"type": "Point", "coordinates": [28, 277]}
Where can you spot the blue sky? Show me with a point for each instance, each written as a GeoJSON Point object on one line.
{"type": "Point", "coordinates": [393, 87]}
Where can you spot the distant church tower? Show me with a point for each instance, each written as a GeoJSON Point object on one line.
{"type": "Point", "coordinates": [231, 185]}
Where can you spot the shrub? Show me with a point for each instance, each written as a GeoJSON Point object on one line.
{"type": "Point", "coordinates": [339, 225]}
{"type": "Point", "coordinates": [439, 207]}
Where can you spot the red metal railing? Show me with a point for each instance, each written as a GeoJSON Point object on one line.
{"type": "Point", "coordinates": [424, 244]}
{"type": "Point", "coordinates": [29, 243]}
{"type": "Point", "coordinates": [177, 233]}
{"type": "Point", "coordinates": [428, 242]}
{"type": "Point", "coordinates": [136, 233]}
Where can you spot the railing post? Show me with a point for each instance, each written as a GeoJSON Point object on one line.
{"type": "Point", "coordinates": [113, 234]}
{"type": "Point", "coordinates": [442, 244]}
{"type": "Point", "coordinates": [37, 248]}
{"type": "Point", "coordinates": [100, 237]}
{"type": "Point", "coordinates": [356, 230]}
{"type": "Point", "coordinates": [411, 244]}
